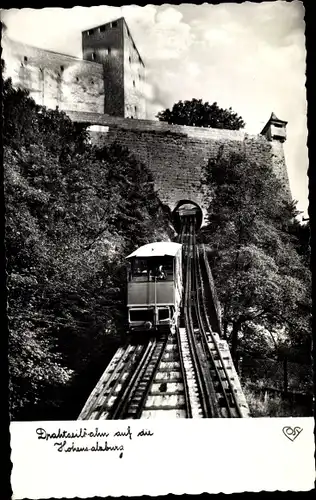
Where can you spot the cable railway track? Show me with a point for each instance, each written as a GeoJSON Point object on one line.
{"type": "Point", "coordinates": [131, 401]}
{"type": "Point", "coordinates": [111, 382]}
{"type": "Point", "coordinates": [182, 375]}
{"type": "Point", "coordinates": [146, 381]}
{"type": "Point", "coordinates": [205, 396]}
{"type": "Point", "coordinates": [220, 392]}
{"type": "Point", "coordinates": [220, 373]}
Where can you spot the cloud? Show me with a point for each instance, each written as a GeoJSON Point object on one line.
{"type": "Point", "coordinates": [169, 16]}
{"type": "Point", "coordinates": [216, 35]}
{"type": "Point", "coordinates": [194, 69]}
{"type": "Point", "coordinates": [161, 36]}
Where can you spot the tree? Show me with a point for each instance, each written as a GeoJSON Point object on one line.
{"type": "Point", "coordinates": [195, 113]}
{"type": "Point", "coordinates": [73, 212]}
{"type": "Point", "coordinates": [301, 238]}
{"type": "Point", "coordinates": [261, 278]}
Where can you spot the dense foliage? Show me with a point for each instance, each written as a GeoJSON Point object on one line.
{"type": "Point", "coordinates": [260, 257]}
{"type": "Point", "coordinates": [197, 113]}
{"type": "Point", "coordinates": [73, 212]}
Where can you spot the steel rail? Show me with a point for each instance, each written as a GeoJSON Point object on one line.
{"type": "Point", "coordinates": [184, 378]}
{"type": "Point", "coordinates": [206, 400]}
{"type": "Point", "coordinates": [136, 390]}
{"type": "Point", "coordinates": [98, 399]}
{"type": "Point", "coordinates": [210, 292]}
{"type": "Point", "coordinates": [188, 406]}
{"type": "Point", "coordinates": [218, 352]}
{"type": "Point", "coordinates": [122, 399]}
{"type": "Point", "coordinates": [202, 321]}
{"type": "Point", "coordinates": [185, 381]}
{"type": "Point", "coordinates": [144, 392]}
{"type": "Point", "coordinates": [210, 385]}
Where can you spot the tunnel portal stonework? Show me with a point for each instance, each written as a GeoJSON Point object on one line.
{"type": "Point", "coordinates": [176, 155]}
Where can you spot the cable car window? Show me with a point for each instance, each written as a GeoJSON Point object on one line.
{"type": "Point", "coordinates": [152, 269]}
{"type": "Point", "coordinates": [139, 270]}
{"type": "Point", "coordinates": [160, 269]}
{"type": "Point", "coordinates": [141, 315]}
{"type": "Point", "coordinates": [163, 314]}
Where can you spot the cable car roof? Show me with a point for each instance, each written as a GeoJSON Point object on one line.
{"type": "Point", "coordinates": [157, 249]}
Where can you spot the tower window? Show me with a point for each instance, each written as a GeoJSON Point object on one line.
{"type": "Point", "coordinates": [114, 24]}
{"type": "Point", "coordinates": [102, 29]}
{"type": "Point", "coordinates": [130, 59]}
{"type": "Point", "coordinates": [93, 55]}
{"type": "Point", "coordinates": [109, 50]}
{"type": "Point", "coordinates": [135, 109]}
{"type": "Point", "coordinates": [133, 83]}
{"type": "Point", "coordinates": [25, 59]}
{"type": "Point", "coordinates": [62, 68]}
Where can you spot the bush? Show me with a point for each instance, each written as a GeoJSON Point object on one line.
{"type": "Point", "coordinates": [263, 403]}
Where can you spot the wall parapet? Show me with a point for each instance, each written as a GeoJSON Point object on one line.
{"type": "Point", "coordinates": [158, 127]}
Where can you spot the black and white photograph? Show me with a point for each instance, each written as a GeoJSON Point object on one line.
{"type": "Point", "coordinates": [157, 229]}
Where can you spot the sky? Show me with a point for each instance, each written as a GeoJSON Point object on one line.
{"type": "Point", "coordinates": [248, 56]}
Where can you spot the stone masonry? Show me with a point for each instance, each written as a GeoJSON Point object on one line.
{"type": "Point", "coordinates": [177, 154]}
{"type": "Point", "coordinates": [109, 79]}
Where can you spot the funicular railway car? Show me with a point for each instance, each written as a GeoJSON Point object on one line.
{"type": "Point", "coordinates": [154, 289]}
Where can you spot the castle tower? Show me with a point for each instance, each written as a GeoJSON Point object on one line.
{"type": "Point", "coordinates": [275, 129]}
{"type": "Point", "coordinates": [275, 132]}
{"type": "Point", "coordinates": [112, 45]}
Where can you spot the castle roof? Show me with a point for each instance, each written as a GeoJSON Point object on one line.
{"type": "Point", "coordinates": [273, 117]}
{"type": "Point", "coordinates": [272, 120]}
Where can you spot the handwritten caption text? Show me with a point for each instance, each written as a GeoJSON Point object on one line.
{"type": "Point", "coordinates": [80, 440]}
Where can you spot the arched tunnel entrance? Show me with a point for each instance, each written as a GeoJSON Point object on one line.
{"type": "Point", "coordinates": [186, 207]}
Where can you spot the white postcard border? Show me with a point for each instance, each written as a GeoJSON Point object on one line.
{"type": "Point", "coordinates": [181, 457]}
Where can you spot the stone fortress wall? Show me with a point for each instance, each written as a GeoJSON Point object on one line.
{"type": "Point", "coordinates": [54, 79]}
{"type": "Point", "coordinates": [105, 90]}
{"type": "Point", "coordinates": [176, 155]}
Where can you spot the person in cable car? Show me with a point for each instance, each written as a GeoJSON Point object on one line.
{"type": "Point", "coordinates": [157, 274]}
{"type": "Point", "coordinates": [161, 275]}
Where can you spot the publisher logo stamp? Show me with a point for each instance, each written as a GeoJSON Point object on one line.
{"type": "Point", "coordinates": [291, 433]}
